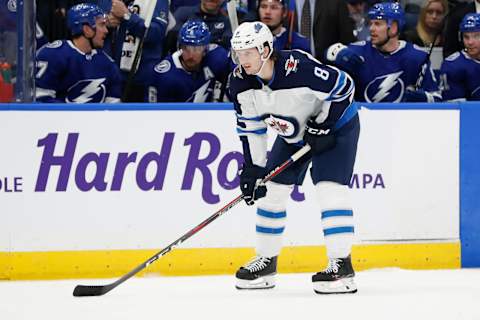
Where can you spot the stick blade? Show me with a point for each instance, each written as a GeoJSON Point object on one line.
{"type": "Point", "coordinates": [89, 291]}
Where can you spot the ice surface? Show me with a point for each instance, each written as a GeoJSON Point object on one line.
{"type": "Point", "coordinates": [383, 294]}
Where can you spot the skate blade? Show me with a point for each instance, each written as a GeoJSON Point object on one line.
{"type": "Point", "coordinates": [346, 285]}
{"type": "Point", "coordinates": [266, 282]}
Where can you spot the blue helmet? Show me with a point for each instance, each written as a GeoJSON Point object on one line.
{"type": "Point", "coordinates": [194, 33]}
{"type": "Point", "coordinates": [470, 23]}
{"type": "Point", "coordinates": [80, 14]}
{"type": "Point", "coordinates": [389, 11]}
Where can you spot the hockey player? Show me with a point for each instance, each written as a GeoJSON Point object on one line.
{"type": "Point", "coordinates": [460, 71]}
{"type": "Point", "coordinates": [78, 71]}
{"type": "Point", "coordinates": [304, 101]}
{"type": "Point", "coordinates": [192, 73]}
{"type": "Point", "coordinates": [386, 69]}
{"type": "Point", "coordinates": [208, 11]}
{"type": "Point", "coordinates": [273, 13]}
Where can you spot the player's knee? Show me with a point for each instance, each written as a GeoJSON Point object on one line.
{"type": "Point", "coordinates": [276, 198]}
{"type": "Point", "coordinates": [332, 195]}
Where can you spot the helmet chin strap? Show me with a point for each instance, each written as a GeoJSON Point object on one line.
{"type": "Point", "coordinates": [264, 60]}
{"type": "Point", "coordinates": [90, 40]}
{"type": "Point", "coordinates": [386, 40]}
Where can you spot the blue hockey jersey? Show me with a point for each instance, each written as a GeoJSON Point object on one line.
{"type": "Point", "coordinates": [66, 74]}
{"type": "Point", "coordinates": [218, 24]}
{"type": "Point", "coordinates": [301, 88]}
{"type": "Point", "coordinates": [460, 77]}
{"type": "Point", "coordinates": [385, 77]}
{"type": "Point", "coordinates": [280, 41]}
{"type": "Point", "coordinates": [170, 82]}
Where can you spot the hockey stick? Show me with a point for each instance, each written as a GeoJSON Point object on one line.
{"type": "Point", "coordinates": [138, 54]}
{"type": "Point", "coordinates": [423, 69]}
{"type": "Point", "coordinates": [85, 290]}
{"type": "Point", "coordinates": [233, 18]}
{"type": "Point", "coordinates": [291, 23]}
{"type": "Point", "coordinates": [133, 70]}
{"type": "Point", "coordinates": [232, 14]}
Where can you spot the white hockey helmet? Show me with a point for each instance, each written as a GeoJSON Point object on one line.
{"type": "Point", "coordinates": [253, 35]}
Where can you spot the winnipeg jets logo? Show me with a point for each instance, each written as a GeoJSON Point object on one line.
{"type": "Point", "coordinates": [89, 90]}
{"type": "Point", "coordinates": [282, 126]}
{"type": "Point", "coordinates": [291, 65]}
{"type": "Point", "coordinates": [387, 88]}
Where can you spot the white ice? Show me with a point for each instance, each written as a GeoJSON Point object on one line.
{"type": "Point", "coordinates": [383, 294]}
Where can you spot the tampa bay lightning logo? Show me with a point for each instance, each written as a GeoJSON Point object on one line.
{"type": "Point", "coordinates": [88, 90]}
{"type": "Point", "coordinates": [202, 94]}
{"type": "Point", "coordinates": [12, 5]}
{"type": "Point", "coordinates": [476, 93]}
{"type": "Point", "coordinates": [386, 88]}
{"type": "Point", "coordinates": [163, 66]}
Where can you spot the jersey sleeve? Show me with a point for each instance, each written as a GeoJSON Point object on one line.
{"type": "Point", "coordinates": [222, 65]}
{"type": "Point", "coordinates": [114, 90]}
{"type": "Point", "coordinates": [251, 128]}
{"type": "Point", "coordinates": [162, 86]}
{"type": "Point", "coordinates": [334, 89]}
{"type": "Point", "coordinates": [50, 67]}
{"type": "Point", "coordinates": [452, 79]}
{"type": "Point", "coordinates": [220, 62]}
{"type": "Point", "coordinates": [358, 47]}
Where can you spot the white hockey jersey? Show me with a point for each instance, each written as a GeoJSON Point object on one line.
{"type": "Point", "coordinates": [301, 88]}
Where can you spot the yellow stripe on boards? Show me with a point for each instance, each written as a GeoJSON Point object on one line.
{"type": "Point", "coordinates": [208, 261]}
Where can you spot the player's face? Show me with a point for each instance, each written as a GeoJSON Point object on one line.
{"type": "Point", "coordinates": [101, 32]}
{"type": "Point", "coordinates": [378, 31]}
{"type": "Point", "coordinates": [471, 41]}
{"type": "Point", "coordinates": [271, 13]}
{"type": "Point", "coordinates": [192, 56]}
{"type": "Point", "coordinates": [249, 60]}
{"type": "Point", "coordinates": [211, 6]}
{"type": "Point", "coordinates": [434, 15]}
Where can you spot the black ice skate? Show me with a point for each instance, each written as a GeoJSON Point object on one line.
{"type": "Point", "coordinates": [257, 274]}
{"type": "Point", "coordinates": [336, 278]}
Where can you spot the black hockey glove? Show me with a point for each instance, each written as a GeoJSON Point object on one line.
{"type": "Point", "coordinates": [249, 177]}
{"type": "Point", "coordinates": [319, 136]}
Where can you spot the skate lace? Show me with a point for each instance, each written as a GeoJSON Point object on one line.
{"type": "Point", "coordinates": [333, 265]}
{"type": "Point", "coordinates": [257, 264]}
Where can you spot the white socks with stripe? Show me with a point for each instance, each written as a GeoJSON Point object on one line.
{"type": "Point", "coordinates": [337, 218]}
{"type": "Point", "coordinates": [271, 219]}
